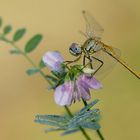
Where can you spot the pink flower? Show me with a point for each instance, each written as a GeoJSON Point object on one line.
{"type": "Point", "coordinates": [54, 60]}
{"type": "Point", "coordinates": [64, 94]}
{"type": "Point", "coordinates": [71, 91]}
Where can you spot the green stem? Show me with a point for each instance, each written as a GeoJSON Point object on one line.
{"type": "Point", "coordinates": [26, 56]}
{"type": "Point", "coordinates": [68, 111]}
{"type": "Point", "coordinates": [98, 131]}
{"type": "Point", "coordinates": [84, 133]}
{"type": "Point", "coordinates": [100, 135]}
{"type": "Point", "coordinates": [43, 75]}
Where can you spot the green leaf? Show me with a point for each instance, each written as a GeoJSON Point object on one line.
{"type": "Point", "coordinates": [68, 132]}
{"type": "Point", "coordinates": [52, 120]}
{"type": "Point", "coordinates": [0, 21]}
{"type": "Point", "coordinates": [92, 115]}
{"type": "Point", "coordinates": [19, 34]}
{"type": "Point", "coordinates": [91, 125]}
{"type": "Point", "coordinates": [15, 51]}
{"type": "Point", "coordinates": [46, 122]}
{"type": "Point", "coordinates": [56, 74]}
{"type": "Point", "coordinates": [53, 81]}
{"type": "Point", "coordinates": [7, 29]}
{"type": "Point", "coordinates": [51, 78]}
{"type": "Point", "coordinates": [58, 118]}
{"type": "Point", "coordinates": [60, 76]}
{"type": "Point", "coordinates": [32, 71]}
{"type": "Point", "coordinates": [53, 129]}
{"type": "Point", "coordinates": [42, 64]}
{"type": "Point", "coordinates": [86, 108]}
{"type": "Point", "coordinates": [89, 116]}
{"type": "Point", "coordinates": [33, 43]}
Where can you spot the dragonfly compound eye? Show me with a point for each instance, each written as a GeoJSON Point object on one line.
{"type": "Point", "coordinates": [75, 49]}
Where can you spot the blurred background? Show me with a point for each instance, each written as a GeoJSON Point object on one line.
{"type": "Point", "coordinates": [22, 97]}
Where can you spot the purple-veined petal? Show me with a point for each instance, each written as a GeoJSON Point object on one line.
{"type": "Point", "coordinates": [53, 60]}
{"type": "Point", "coordinates": [82, 90]}
{"type": "Point", "coordinates": [90, 81]}
{"type": "Point", "coordinates": [95, 84]}
{"type": "Point", "coordinates": [64, 94]}
{"type": "Point", "coordinates": [55, 55]}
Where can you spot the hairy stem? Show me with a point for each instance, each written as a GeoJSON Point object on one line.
{"type": "Point", "coordinates": [42, 74]}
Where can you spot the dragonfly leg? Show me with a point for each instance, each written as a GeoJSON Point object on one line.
{"type": "Point", "coordinates": [84, 62]}
{"type": "Point", "coordinates": [100, 64]}
{"type": "Point", "coordinates": [69, 62]}
{"type": "Point", "coordinates": [90, 62]}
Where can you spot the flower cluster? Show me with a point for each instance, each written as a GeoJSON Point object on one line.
{"type": "Point", "coordinates": [74, 85]}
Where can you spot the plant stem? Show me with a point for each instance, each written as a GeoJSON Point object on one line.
{"type": "Point", "coordinates": [100, 135]}
{"type": "Point", "coordinates": [84, 133]}
{"type": "Point", "coordinates": [43, 75]}
{"type": "Point", "coordinates": [68, 111]}
{"type": "Point", "coordinates": [85, 103]}
{"type": "Point", "coordinates": [98, 131]}
{"type": "Point", "coordinates": [26, 56]}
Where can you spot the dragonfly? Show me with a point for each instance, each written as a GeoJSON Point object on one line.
{"type": "Point", "coordinates": [94, 49]}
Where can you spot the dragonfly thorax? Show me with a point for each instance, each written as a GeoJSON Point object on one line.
{"type": "Point", "coordinates": [91, 46]}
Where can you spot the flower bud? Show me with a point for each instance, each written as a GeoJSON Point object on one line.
{"type": "Point", "coordinates": [88, 70]}
{"type": "Point", "coordinates": [54, 60]}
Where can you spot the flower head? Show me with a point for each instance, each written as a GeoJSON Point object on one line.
{"type": "Point", "coordinates": [72, 84]}
{"type": "Point", "coordinates": [71, 91]}
{"type": "Point", "coordinates": [54, 60]}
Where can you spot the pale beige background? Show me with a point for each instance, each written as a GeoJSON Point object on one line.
{"type": "Point", "coordinates": [21, 97]}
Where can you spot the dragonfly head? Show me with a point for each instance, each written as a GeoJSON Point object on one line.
{"type": "Point", "coordinates": [75, 49]}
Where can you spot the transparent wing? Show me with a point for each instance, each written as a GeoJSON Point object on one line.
{"type": "Point", "coordinates": [109, 62]}
{"type": "Point", "coordinates": [93, 28]}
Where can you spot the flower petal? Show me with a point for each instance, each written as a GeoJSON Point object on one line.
{"type": "Point", "coordinates": [82, 90]}
{"type": "Point", "coordinates": [64, 94]}
{"type": "Point", "coordinates": [94, 83]}
{"type": "Point", "coordinates": [53, 60]}
{"type": "Point", "coordinates": [91, 81]}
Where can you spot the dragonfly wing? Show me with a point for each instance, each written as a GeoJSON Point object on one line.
{"type": "Point", "coordinates": [93, 28]}
{"type": "Point", "coordinates": [108, 62]}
